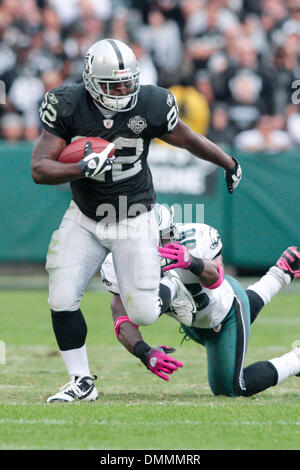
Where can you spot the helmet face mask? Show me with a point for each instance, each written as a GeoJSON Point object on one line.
{"type": "Point", "coordinates": [108, 99]}
{"type": "Point", "coordinates": [167, 228]}
{"type": "Point", "coordinates": [110, 70]}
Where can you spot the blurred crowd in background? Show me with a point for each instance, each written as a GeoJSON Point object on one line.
{"type": "Point", "coordinates": [232, 64]}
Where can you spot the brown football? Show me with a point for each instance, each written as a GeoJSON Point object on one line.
{"type": "Point", "coordinates": [75, 151]}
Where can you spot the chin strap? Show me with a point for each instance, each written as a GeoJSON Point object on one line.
{"type": "Point", "coordinates": [119, 101]}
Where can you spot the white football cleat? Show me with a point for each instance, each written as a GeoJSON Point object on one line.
{"type": "Point", "coordinates": [183, 307]}
{"type": "Point", "coordinates": [79, 388]}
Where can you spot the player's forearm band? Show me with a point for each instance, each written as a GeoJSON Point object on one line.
{"type": "Point", "coordinates": [196, 266]}
{"type": "Point", "coordinates": [141, 350]}
{"type": "Point", "coordinates": [219, 281]}
{"type": "Point", "coordinates": [118, 323]}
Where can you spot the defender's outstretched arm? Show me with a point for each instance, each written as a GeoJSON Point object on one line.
{"type": "Point", "coordinates": [155, 359]}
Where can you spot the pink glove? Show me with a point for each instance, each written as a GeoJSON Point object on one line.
{"type": "Point", "coordinates": [178, 253]}
{"type": "Point", "coordinates": [158, 362]}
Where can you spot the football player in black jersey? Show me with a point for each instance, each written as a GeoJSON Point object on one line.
{"type": "Point", "coordinates": [112, 202]}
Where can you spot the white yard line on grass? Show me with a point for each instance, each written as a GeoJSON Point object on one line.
{"type": "Point", "coordinates": [58, 422]}
{"type": "Point", "coordinates": [5, 386]}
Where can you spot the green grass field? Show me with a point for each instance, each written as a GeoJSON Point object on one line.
{"type": "Point", "coordinates": [137, 410]}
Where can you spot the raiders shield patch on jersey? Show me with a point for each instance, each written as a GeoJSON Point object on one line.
{"type": "Point", "coordinates": [137, 124]}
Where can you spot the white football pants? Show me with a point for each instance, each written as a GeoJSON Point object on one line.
{"type": "Point", "coordinates": [78, 248]}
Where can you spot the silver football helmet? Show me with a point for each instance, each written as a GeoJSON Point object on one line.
{"type": "Point", "coordinates": [108, 64]}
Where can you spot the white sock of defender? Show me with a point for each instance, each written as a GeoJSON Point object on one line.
{"type": "Point", "coordinates": [287, 365]}
{"type": "Point", "coordinates": [270, 284]}
{"type": "Point", "coordinates": [173, 288]}
{"type": "Point", "coordinates": [76, 361]}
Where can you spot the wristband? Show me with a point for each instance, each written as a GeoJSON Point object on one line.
{"type": "Point", "coordinates": [219, 280]}
{"type": "Point", "coordinates": [196, 266]}
{"type": "Point", "coordinates": [118, 323]}
{"type": "Point", "coordinates": [141, 350]}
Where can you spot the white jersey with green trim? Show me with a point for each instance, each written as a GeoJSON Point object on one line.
{"type": "Point", "coordinates": [204, 242]}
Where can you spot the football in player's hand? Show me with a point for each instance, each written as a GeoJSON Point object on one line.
{"type": "Point", "coordinates": [75, 151]}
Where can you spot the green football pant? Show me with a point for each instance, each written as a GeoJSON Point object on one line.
{"type": "Point", "coordinates": [226, 349]}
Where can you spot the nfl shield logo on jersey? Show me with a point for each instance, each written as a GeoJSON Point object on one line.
{"type": "Point", "coordinates": [108, 123]}
{"type": "Point", "coordinates": [137, 124]}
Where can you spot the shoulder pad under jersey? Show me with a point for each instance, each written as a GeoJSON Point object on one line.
{"type": "Point", "coordinates": [160, 107]}
{"type": "Point", "coordinates": [66, 98]}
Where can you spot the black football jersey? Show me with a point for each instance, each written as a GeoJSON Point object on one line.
{"type": "Point", "coordinates": [69, 112]}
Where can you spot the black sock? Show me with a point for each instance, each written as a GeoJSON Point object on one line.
{"type": "Point", "coordinates": [256, 304]}
{"type": "Point", "coordinates": [165, 297]}
{"type": "Point", "coordinates": [259, 376]}
{"type": "Point", "coordinates": [70, 329]}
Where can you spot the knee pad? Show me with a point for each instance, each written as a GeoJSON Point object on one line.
{"type": "Point", "coordinates": [143, 308]}
{"type": "Point", "coordinates": [259, 376]}
{"type": "Point", "coordinates": [63, 295]}
{"type": "Point", "coordinates": [62, 303]}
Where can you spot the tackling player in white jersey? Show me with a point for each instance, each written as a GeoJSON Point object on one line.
{"type": "Point", "coordinates": [224, 311]}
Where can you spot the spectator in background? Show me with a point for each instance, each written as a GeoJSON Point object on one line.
{"type": "Point", "coordinates": [51, 79]}
{"type": "Point", "coordinates": [208, 40]}
{"type": "Point", "coordinates": [25, 94]}
{"type": "Point", "coordinates": [204, 85]}
{"type": "Point", "coordinates": [12, 127]}
{"type": "Point", "coordinates": [205, 27]}
{"type": "Point", "coordinates": [254, 32]}
{"type": "Point", "coordinates": [193, 107]}
{"type": "Point", "coordinates": [101, 9]}
{"type": "Point", "coordinates": [70, 11]}
{"type": "Point", "coordinates": [200, 16]}
{"type": "Point", "coordinates": [292, 24]}
{"type": "Point", "coordinates": [46, 48]}
{"type": "Point", "coordinates": [219, 63]}
{"type": "Point", "coordinates": [244, 53]}
{"type": "Point", "coordinates": [247, 87]}
{"type": "Point", "coordinates": [171, 9]}
{"type": "Point", "coordinates": [273, 15]}
{"type": "Point", "coordinates": [267, 136]}
{"type": "Point", "coordinates": [161, 38]}
{"type": "Point", "coordinates": [283, 72]}
{"type": "Point", "coordinates": [67, 10]}
{"type": "Point", "coordinates": [80, 37]}
{"type": "Point", "coordinates": [220, 130]}
{"type": "Point", "coordinates": [148, 72]}
{"type": "Point", "coordinates": [192, 15]}
{"type": "Point", "coordinates": [119, 24]}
